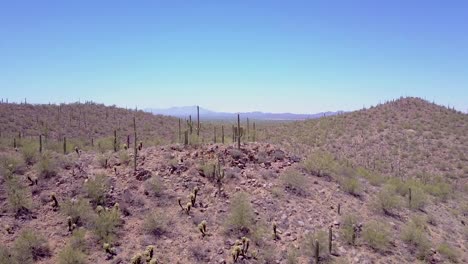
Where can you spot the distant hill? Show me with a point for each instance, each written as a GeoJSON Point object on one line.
{"type": "Point", "coordinates": [206, 114]}
{"type": "Point", "coordinates": [401, 137]}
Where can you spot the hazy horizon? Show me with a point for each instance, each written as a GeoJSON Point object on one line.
{"type": "Point", "coordinates": [296, 57]}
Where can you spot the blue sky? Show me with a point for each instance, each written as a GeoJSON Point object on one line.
{"type": "Point", "coordinates": [295, 56]}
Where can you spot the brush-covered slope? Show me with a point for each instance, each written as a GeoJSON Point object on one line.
{"type": "Point", "coordinates": [83, 121]}
{"type": "Point", "coordinates": [404, 137]}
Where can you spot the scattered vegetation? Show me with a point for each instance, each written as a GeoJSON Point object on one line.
{"type": "Point", "coordinates": [96, 188]}
{"type": "Point", "coordinates": [241, 213]}
{"type": "Point", "coordinates": [413, 233]}
{"type": "Point", "coordinates": [294, 181]}
{"type": "Point", "coordinates": [29, 247]}
{"type": "Point", "coordinates": [156, 223]}
{"type": "Point", "coordinates": [376, 235]}
{"type": "Point", "coordinates": [106, 224]}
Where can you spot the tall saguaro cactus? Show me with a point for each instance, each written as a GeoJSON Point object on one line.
{"type": "Point", "coordinates": [180, 133]}
{"type": "Point", "coordinates": [198, 120]}
{"type": "Point", "coordinates": [134, 146]}
{"type": "Point", "coordinates": [238, 131]}
{"type": "Point", "coordinates": [64, 145]}
{"type": "Point", "coordinates": [222, 134]}
{"type": "Point", "coordinates": [40, 143]}
{"type": "Point", "coordinates": [248, 129]}
{"type": "Point", "coordinates": [115, 140]}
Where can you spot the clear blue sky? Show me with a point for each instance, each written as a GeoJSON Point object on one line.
{"type": "Point", "coordinates": [296, 56]}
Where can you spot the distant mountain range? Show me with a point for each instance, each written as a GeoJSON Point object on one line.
{"type": "Point", "coordinates": [185, 111]}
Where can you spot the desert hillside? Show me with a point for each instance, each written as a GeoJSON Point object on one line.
{"type": "Point", "coordinates": [381, 185]}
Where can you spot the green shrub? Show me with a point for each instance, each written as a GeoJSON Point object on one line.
{"type": "Point", "coordinates": [80, 211]}
{"type": "Point", "coordinates": [96, 189]}
{"type": "Point", "coordinates": [12, 164]}
{"type": "Point", "coordinates": [413, 233]}
{"type": "Point", "coordinates": [294, 181]}
{"type": "Point", "coordinates": [46, 167]}
{"type": "Point", "coordinates": [17, 196]}
{"type": "Point", "coordinates": [208, 168]}
{"type": "Point", "coordinates": [78, 240]}
{"type": "Point", "coordinates": [155, 186]}
{"type": "Point", "coordinates": [106, 224]}
{"type": "Point", "coordinates": [377, 235]}
{"type": "Point", "coordinates": [155, 223]}
{"type": "Point", "coordinates": [29, 247]}
{"type": "Point", "coordinates": [418, 199]}
{"type": "Point", "coordinates": [309, 243]}
{"type": "Point", "coordinates": [347, 227]}
{"type": "Point", "coordinates": [103, 160]}
{"type": "Point", "coordinates": [387, 200]}
{"type": "Point", "coordinates": [70, 255]}
{"type": "Point", "coordinates": [292, 256]}
{"type": "Point", "coordinates": [5, 255]}
{"type": "Point", "coordinates": [241, 213]}
{"type": "Point", "coordinates": [320, 164]}
{"type": "Point", "coordinates": [441, 190]}
{"type": "Point", "coordinates": [449, 252]}
{"type": "Point", "coordinates": [29, 152]}
{"type": "Point", "coordinates": [105, 144]}
{"type": "Point", "coordinates": [350, 184]}
{"type": "Point", "coordinates": [374, 178]}
{"type": "Point", "coordinates": [124, 157]}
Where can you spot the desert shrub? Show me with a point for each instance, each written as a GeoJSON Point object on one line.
{"type": "Point", "coordinates": [449, 252]}
{"type": "Point", "coordinates": [80, 211]}
{"type": "Point", "coordinates": [78, 240]}
{"type": "Point", "coordinates": [441, 190]}
{"type": "Point", "coordinates": [294, 181]}
{"type": "Point", "coordinates": [124, 158]}
{"type": "Point", "coordinates": [347, 227]}
{"type": "Point", "coordinates": [241, 213]}
{"type": "Point", "coordinates": [30, 246]}
{"type": "Point", "coordinates": [5, 255]}
{"type": "Point", "coordinates": [418, 199]}
{"type": "Point", "coordinates": [155, 186]}
{"type": "Point", "coordinates": [320, 164]}
{"type": "Point", "coordinates": [413, 233]}
{"type": "Point", "coordinates": [349, 182]}
{"type": "Point", "coordinates": [105, 144]}
{"type": "Point", "coordinates": [309, 243]}
{"type": "Point", "coordinates": [373, 177]}
{"type": "Point", "coordinates": [106, 224]}
{"type": "Point", "coordinates": [17, 197]}
{"type": "Point", "coordinates": [12, 164]}
{"type": "Point", "coordinates": [236, 154]}
{"type": "Point", "coordinates": [46, 166]}
{"type": "Point", "coordinates": [278, 155]}
{"type": "Point", "coordinates": [156, 223]}
{"type": "Point", "coordinates": [70, 255]}
{"type": "Point", "coordinates": [387, 200]}
{"type": "Point", "coordinates": [195, 140]}
{"type": "Point", "coordinates": [208, 168]}
{"type": "Point", "coordinates": [103, 160]}
{"type": "Point", "coordinates": [96, 189]}
{"type": "Point", "coordinates": [292, 256]}
{"type": "Point", "coordinates": [377, 235]}
{"type": "Point", "coordinates": [399, 185]}
{"type": "Point", "coordinates": [29, 152]}
{"type": "Point", "coordinates": [67, 161]}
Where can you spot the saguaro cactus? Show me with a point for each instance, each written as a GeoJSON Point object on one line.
{"type": "Point", "coordinates": [214, 135]}
{"type": "Point", "coordinates": [134, 146]}
{"type": "Point", "coordinates": [198, 120]}
{"type": "Point", "coordinates": [40, 143]}
{"type": "Point", "coordinates": [115, 140]}
{"type": "Point", "coordinates": [248, 129]}
{"type": "Point", "coordinates": [254, 132]}
{"type": "Point", "coordinates": [238, 131]}
{"type": "Point", "coordinates": [180, 133]}
{"type": "Point", "coordinates": [317, 251]}
{"type": "Point", "coordinates": [330, 238]}
{"type": "Point", "coordinates": [222, 134]}
{"type": "Point", "coordinates": [64, 145]}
